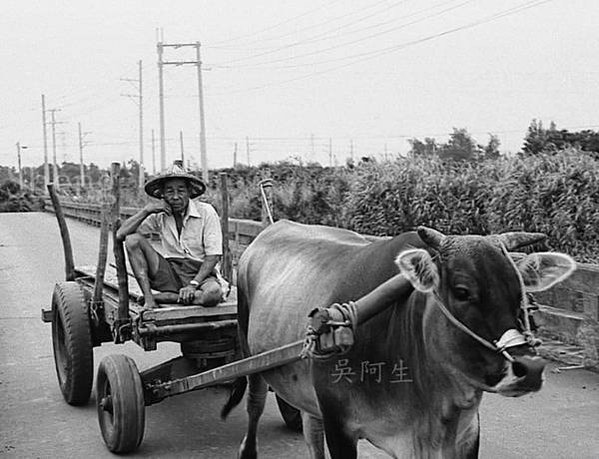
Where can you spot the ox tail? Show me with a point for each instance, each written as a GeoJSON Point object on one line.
{"type": "Point", "coordinates": [235, 396]}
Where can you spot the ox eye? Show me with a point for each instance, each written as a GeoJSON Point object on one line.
{"type": "Point", "coordinates": [461, 293]}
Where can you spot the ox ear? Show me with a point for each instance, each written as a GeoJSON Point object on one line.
{"type": "Point", "coordinates": [431, 237]}
{"type": "Point", "coordinates": [418, 267]}
{"type": "Point", "coordinates": [515, 240]}
{"type": "Point", "coordinates": [541, 271]}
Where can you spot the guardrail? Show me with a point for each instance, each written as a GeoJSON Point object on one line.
{"type": "Point", "coordinates": [569, 312]}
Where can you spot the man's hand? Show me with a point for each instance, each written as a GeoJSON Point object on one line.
{"type": "Point", "coordinates": [186, 294]}
{"type": "Point", "coordinates": [155, 207]}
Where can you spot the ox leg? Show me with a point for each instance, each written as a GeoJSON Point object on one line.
{"type": "Point", "coordinates": [255, 407]}
{"type": "Point", "coordinates": [314, 435]}
{"type": "Point", "coordinates": [341, 445]}
{"type": "Point", "coordinates": [472, 452]}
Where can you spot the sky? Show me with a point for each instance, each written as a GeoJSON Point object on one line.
{"type": "Point", "coordinates": [291, 80]}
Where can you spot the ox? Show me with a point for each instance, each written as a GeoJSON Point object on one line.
{"type": "Point", "coordinates": [413, 381]}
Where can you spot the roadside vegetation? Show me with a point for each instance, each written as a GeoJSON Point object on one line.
{"type": "Point", "coordinates": [458, 187]}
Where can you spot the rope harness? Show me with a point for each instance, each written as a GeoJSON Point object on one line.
{"type": "Point", "coordinates": [511, 337]}
{"type": "Point", "coordinates": [330, 331]}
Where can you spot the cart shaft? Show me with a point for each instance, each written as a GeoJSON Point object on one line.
{"type": "Point", "coordinates": [254, 364]}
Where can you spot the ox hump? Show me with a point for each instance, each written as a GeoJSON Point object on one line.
{"type": "Point", "coordinates": [418, 267]}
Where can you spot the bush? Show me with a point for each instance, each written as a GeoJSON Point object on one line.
{"type": "Point", "coordinates": [557, 194]}
{"type": "Point", "coordinates": [13, 199]}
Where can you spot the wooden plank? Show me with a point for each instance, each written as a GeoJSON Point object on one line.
{"type": "Point", "coordinates": [183, 314]}
{"type": "Point", "coordinates": [164, 315]}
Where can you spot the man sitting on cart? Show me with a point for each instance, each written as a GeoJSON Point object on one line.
{"type": "Point", "coordinates": [185, 270]}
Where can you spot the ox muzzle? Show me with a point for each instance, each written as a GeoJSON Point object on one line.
{"type": "Point", "coordinates": [525, 372]}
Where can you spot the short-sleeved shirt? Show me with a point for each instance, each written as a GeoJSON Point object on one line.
{"type": "Point", "coordinates": [200, 236]}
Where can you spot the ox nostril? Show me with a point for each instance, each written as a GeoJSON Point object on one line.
{"type": "Point", "coordinates": [519, 369]}
{"type": "Point", "coordinates": [530, 370]}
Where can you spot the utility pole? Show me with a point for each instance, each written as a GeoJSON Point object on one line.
{"type": "Point", "coordinates": [138, 99]}
{"type": "Point", "coordinates": [161, 101]}
{"type": "Point", "coordinates": [46, 167]}
{"type": "Point", "coordinates": [153, 154]}
{"type": "Point", "coordinates": [19, 148]}
{"type": "Point", "coordinates": [351, 149]}
{"type": "Point", "coordinates": [55, 180]}
{"type": "Point", "coordinates": [330, 152]}
{"type": "Point", "coordinates": [182, 150]}
{"type": "Point", "coordinates": [235, 155]}
{"type": "Point", "coordinates": [81, 171]}
{"type": "Point", "coordinates": [198, 63]}
{"type": "Point", "coordinates": [141, 131]}
{"type": "Point", "coordinates": [81, 168]}
{"type": "Point", "coordinates": [247, 148]}
{"type": "Point", "coordinates": [203, 153]}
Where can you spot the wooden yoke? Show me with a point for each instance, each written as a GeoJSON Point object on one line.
{"type": "Point", "coordinates": [371, 304]}
{"type": "Point", "coordinates": [331, 330]}
{"type": "Point", "coordinates": [64, 234]}
{"type": "Point", "coordinates": [122, 325]}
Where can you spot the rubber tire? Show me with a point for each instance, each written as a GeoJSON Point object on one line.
{"type": "Point", "coordinates": [72, 343]}
{"type": "Point", "coordinates": [123, 423]}
{"type": "Point", "coordinates": [291, 415]}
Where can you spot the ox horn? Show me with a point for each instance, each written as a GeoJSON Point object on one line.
{"type": "Point", "coordinates": [431, 237]}
{"type": "Point", "coordinates": [517, 239]}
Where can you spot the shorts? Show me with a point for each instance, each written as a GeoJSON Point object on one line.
{"type": "Point", "coordinates": [175, 273]}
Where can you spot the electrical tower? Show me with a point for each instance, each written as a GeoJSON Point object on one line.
{"type": "Point", "coordinates": [198, 63]}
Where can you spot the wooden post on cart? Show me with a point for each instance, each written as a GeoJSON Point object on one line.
{"type": "Point", "coordinates": [102, 255]}
{"type": "Point", "coordinates": [266, 195]}
{"type": "Point", "coordinates": [226, 264]}
{"type": "Point", "coordinates": [122, 324]}
{"type": "Point", "coordinates": [69, 264]}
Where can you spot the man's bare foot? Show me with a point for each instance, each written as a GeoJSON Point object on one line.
{"type": "Point", "coordinates": [151, 304]}
{"type": "Point", "coordinates": [200, 299]}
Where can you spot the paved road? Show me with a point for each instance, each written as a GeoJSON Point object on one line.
{"type": "Point", "coordinates": [559, 422]}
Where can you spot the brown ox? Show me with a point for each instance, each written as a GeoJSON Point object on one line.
{"type": "Point", "coordinates": [412, 383]}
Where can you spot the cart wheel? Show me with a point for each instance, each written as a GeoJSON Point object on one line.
{"type": "Point", "coordinates": [291, 415]}
{"type": "Point", "coordinates": [120, 401]}
{"type": "Point", "coordinates": [72, 343]}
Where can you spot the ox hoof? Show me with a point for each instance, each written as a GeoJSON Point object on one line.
{"type": "Point", "coordinates": [247, 451]}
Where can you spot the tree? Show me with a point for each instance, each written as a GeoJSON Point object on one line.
{"type": "Point", "coordinates": [492, 148]}
{"type": "Point", "coordinates": [461, 147]}
{"type": "Point", "coordinates": [419, 148]}
{"type": "Point", "coordinates": [540, 140]}
{"type": "Point", "coordinates": [536, 138]}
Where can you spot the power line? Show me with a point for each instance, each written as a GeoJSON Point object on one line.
{"type": "Point", "coordinates": [312, 39]}
{"type": "Point", "coordinates": [352, 42]}
{"type": "Point", "coordinates": [274, 26]}
{"type": "Point", "coordinates": [361, 57]}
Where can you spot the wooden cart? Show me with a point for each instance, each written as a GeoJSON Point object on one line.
{"type": "Point", "coordinates": [98, 304]}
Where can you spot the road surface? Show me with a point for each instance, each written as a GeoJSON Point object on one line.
{"type": "Point", "coordinates": [559, 422]}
